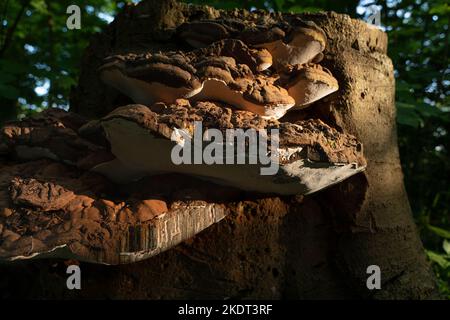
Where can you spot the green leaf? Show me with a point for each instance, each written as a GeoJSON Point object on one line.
{"type": "Point", "coordinates": [279, 4]}
{"type": "Point", "coordinates": [443, 8]}
{"type": "Point", "coordinates": [446, 246]}
{"type": "Point", "coordinates": [40, 6]}
{"type": "Point", "coordinates": [429, 111]}
{"type": "Point", "coordinates": [439, 231]}
{"type": "Point", "coordinates": [407, 115]}
{"type": "Point", "coordinates": [438, 258]}
{"type": "Point", "coordinates": [301, 9]}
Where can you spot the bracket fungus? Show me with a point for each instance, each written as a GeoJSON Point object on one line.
{"type": "Point", "coordinates": [310, 154]}
{"type": "Point", "coordinates": [295, 42]}
{"type": "Point", "coordinates": [49, 209]}
{"type": "Point", "coordinates": [235, 84]}
{"type": "Point", "coordinates": [131, 183]}
{"type": "Point", "coordinates": [257, 59]}
{"type": "Point", "coordinates": [151, 78]}
{"type": "Point", "coordinates": [227, 71]}
{"type": "Point", "coordinates": [52, 134]}
{"type": "Point", "coordinates": [308, 83]}
{"type": "Point", "coordinates": [52, 204]}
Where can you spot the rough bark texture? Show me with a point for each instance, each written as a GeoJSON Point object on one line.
{"type": "Point", "coordinates": [279, 247]}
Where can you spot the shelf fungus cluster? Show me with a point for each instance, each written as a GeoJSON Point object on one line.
{"type": "Point", "coordinates": [108, 190]}
{"type": "Point", "coordinates": [228, 71]}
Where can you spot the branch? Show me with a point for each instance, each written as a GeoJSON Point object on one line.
{"type": "Point", "coordinates": [51, 56]}
{"type": "Point", "coordinates": [2, 18]}
{"type": "Point", "coordinates": [10, 31]}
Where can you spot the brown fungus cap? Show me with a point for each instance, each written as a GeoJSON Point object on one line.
{"type": "Point", "coordinates": [257, 59]}
{"type": "Point", "coordinates": [52, 210]}
{"type": "Point", "coordinates": [308, 83]}
{"type": "Point", "coordinates": [289, 42]}
{"type": "Point", "coordinates": [149, 78]}
{"type": "Point", "coordinates": [235, 84]}
{"type": "Point", "coordinates": [51, 134]}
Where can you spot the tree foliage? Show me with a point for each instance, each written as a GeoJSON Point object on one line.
{"type": "Point", "coordinates": [39, 60]}
{"type": "Point", "coordinates": [39, 56]}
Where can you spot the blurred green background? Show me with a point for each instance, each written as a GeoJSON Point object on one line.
{"type": "Point", "coordinates": [39, 63]}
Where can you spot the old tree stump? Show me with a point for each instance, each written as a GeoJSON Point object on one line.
{"type": "Point", "coordinates": [315, 246]}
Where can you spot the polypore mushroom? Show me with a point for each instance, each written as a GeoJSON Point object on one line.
{"type": "Point", "coordinates": [257, 59]}
{"type": "Point", "coordinates": [165, 77]}
{"type": "Point", "coordinates": [52, 134]}
{"type": "Point", "coordinates": [68, 216]}
{"type": "Point", "coordinates": [150, 78]}
{"type": "Point", "coordinates": [308, 83]}
{"type": "Point", "coordinates": [289, 43]}
{"type": "Point", "coordinates": [235, 84]}
{"type": "Point", "coordinates": [302, 44]}
{"type": "Point", "coordinates": [73, 213]}
{"type": "Point", "coordinates": [312, 155]}
{"type": "Point", "coordinates": [200, 34]}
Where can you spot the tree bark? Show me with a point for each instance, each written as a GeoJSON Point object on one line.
{"type": "Point", "coordinates": [312, 247]}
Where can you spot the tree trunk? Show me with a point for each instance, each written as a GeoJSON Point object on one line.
{"type": "Point", "coordinates": [312, 247]}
